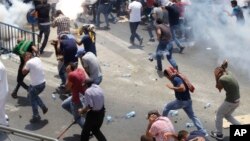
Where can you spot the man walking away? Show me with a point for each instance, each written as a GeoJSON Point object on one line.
{"type": "Point", "coordinates": [135, 9]}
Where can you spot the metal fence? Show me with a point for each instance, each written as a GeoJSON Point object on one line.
{"type": "Point", "coordinates": [23, 135]}
{"type": "Point", "coordinates": [9, 35]}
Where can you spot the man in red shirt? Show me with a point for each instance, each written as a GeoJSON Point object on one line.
{"type": "Point", "coordinates": [76, 78]}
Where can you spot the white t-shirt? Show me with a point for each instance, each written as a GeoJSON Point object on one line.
{"type": "Point", "coordinates": [34, 65]}
{"type": "Point", "coordinates": [4, 89]}
{"type": "Point", "coordinates": [135, 14]}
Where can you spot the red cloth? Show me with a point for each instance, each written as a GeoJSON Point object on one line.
{"type": "Point", "coordinates": [173, 72]}
{"type": "Point", "coordinates": [150, 3]}
{"type": "Point", "coordinates": [77, 77]}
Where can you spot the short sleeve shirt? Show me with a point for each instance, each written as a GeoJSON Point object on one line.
{"type": "Point", "coordinates": [94, 97]}
{"type": "Point", "coordinates": [77, 77]}
{"type": "Point", "coordinates": [135, 14]}
{"type": "Point", "coordinates": [69, 49]}
{"type": "Point", "coordinates": [88, 44]}
{"type": "Point", "coordinates": [177, 81]}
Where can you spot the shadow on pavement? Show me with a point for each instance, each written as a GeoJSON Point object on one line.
{"type": "Point", "coordinates": [37, 126]}
{"type": "Point", "coordinates": [22, 101]}
{"type": "Point", "coordinates": [75, 137]}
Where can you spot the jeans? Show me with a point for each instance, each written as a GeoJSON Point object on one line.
{"type": "Point", "coordinates": [102, 9]}
{"type": "Point", "coordinates": [133, 27]}
{"type": "Point", "coordinates": [165, 47]}
{"type": "Point", "coordinates": [72, 108]}
{"type": "Point", "coordinates": [225, 110]}
{"type": "Point", "coordinates": [98, 80]}
{"type": "Point", "coordinates": [34, 98]}
{"type": "Point", "coordinates": [187, 107]}
{"type": "Point", "coordinates": [62, 74]}
{"type": "Point", "coordinates": [150, 28]}
{"type": "Point", "coordinates": [44, 29]}
{"type": "Point", "coordinates": [173, 30]}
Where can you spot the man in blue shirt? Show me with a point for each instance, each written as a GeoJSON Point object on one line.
{"type": "Point", "coordinates": [237, 12]}
{"type": "Point", "coordinates": [183, 98]}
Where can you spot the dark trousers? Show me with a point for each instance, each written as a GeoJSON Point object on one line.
{"type": "Point", "coordinates": [133, 27]}
{"type": "Point", "coordinates": [20, 77]}
{"type": "Point", "coordinates": [93, 123]}
{"type": "Point", "coordinates": [44, 29]}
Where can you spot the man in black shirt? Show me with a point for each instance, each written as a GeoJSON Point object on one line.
{"type": "Point", "coordinates": [43, 11]}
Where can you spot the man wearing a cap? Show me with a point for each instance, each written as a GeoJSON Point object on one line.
{"type": "Point", "coordinates": [159, 128]}
{"type": "Point", "coordinates": [91, 65]}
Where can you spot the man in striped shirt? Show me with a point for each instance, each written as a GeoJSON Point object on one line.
{"type": "Point", "coordinates": [62, 23]}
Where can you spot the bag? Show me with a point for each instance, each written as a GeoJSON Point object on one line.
{"type": "Point", "coordinates": [22, 47]}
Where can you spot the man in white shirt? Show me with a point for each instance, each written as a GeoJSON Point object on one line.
{"type": "Point", "coordinates": [3, 93]}
{"type": "Point", "coordinates": [33, 65]}
{"type": "Point", "coordinates": [135, 9]}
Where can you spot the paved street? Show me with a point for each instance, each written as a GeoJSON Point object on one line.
{"type": "Point", "coordinates": [131, 84]}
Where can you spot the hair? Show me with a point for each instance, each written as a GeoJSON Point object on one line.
{"type": "Point", "coordinates": [58, 12]}
{"type": "Point", "coordinates": [89, 82]}
{"type": "Point", "coordinates": [73, 65]}
{"type": "Point", "coordinates": [182, 134]}
{"type": "Point", "coordinates": [156, 4]}
{"type": "Point", "coordinates": [165, 73]}
{"type": "Point", "coordinates": [219, 71]}
{"type": "Point", "coordinates": [234, 2]}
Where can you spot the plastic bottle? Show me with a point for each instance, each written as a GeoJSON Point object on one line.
{"type": "Point", "coordinates": [207, 105]}
{"type": "Point", "coordinates": [53, 96]}
{"type": "Point", "coordinates": [130, 114]}
{"type": "Point", "coordinates": [109, 119]}
{"type": "Point", "coordinates": [189, 125]}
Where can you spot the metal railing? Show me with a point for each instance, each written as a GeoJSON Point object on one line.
{"type": "Point", "coordinates": [9, 35]}
{"type": "Point", "coordinates": [25, 134]}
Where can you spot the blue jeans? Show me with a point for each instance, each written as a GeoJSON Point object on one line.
{"type": "Point", "coordinates": [62, 74]}
{"type": "Point", "coordinates": [164, 47]}
{"type": "Point", "coordinates": [173, 30]}
{"type": "Point", "coordinates": [150, 28]}
{"type": "Point", "coordinates": [72, 108]}
{"type": "Point", "coordinates": [98, 80]}
{"type": "Point", "coordinates": [102, 9]}
{"type": "Point", "coordinates": [34, 98]}
{"type": "Point", "coordinates": [133, 27]}
{"type": "Point", "coordinates": [187, 107]}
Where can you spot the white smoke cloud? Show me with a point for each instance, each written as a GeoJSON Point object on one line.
{"type": "Point", "coordinates": [213, 27]}
{"type": "Point", "coordinates": [16, 14]}
{"type": "Point", "coordinates": [71, 8]}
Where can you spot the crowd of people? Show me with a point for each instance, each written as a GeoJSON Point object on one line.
{"type": "Point", "coordinates": [86, 102]}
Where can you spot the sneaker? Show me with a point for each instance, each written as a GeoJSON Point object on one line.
{"type": "Point", "coordinates": [14, 95]}
{"type": "Point", "coordinates": [106, 27]}
{"type": "Point", "coordinates": [158, 68]}
{"type": "Point", "coordinates": [181, 49]}
{"type": "Point", "coordinates": [216, 135]}
{"type": "Point", "coordinates": [45, 110]}
{"type": "Point", "coordinates": [152, 40]}
{"type": "Point", "coordinates": [35, 119]}
{"type": "Point", "coordinates": [132, 42]}
{"type": "Point", "coordinates": [150, 58]}
{"type": "Point", "coordinates": [141, 40]}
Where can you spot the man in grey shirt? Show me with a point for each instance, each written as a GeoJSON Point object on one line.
{"type": "Point", "coordinates": [91, 65]}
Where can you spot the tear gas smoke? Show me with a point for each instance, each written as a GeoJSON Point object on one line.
{"type": "Point", "coordinates": [71, 8]}
{"type": "Point", "coordinates": [213, 27]}
{"type": "Point", "coordinates": [16, 14]}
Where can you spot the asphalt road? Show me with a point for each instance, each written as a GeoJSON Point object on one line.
{"type": "Point", "coordinates": [131, 84]}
